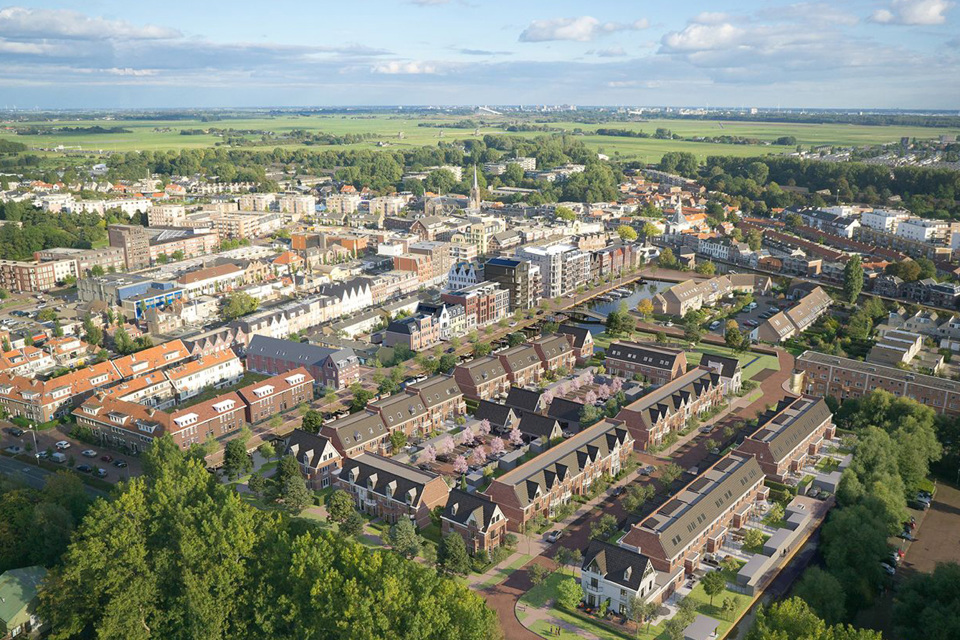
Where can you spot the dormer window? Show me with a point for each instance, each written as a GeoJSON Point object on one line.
{"type": "Point", "coordinates": [264, 391]}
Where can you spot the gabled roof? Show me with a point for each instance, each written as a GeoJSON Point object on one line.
{"type": "Point", "coordinates": [275, 385]}
{"type": "Point", "coordinates": [463, 507]}
{"type": "Point", "coordinates": [399, 408]}
{"type": "Point", "coordinates": [727, 367]}
{"type": "Point", "coordinates": [386, 477]}
{"type": "Point", "coordinates": [162, 355]}
{"type": "Point", "coordinates": [484, 370]}
{"type": "Point", "coordinates": [579, 334]}
{"type": "Point", "coordinates": [648, 355]}
{"type": "Point", "coordinates": [307, 447]}
{"type": "Point", "coordinates": [437, 390]}
{"type": "Point", "coordinates": [534, 425]}
{"type": "Point", "coordinates": [619, 565]}
{"type": "Point", "coordinates": [308, 355]}
{"type": "Point", "coordinates": [356, 430]}
{"type": "Point", "coordinates": [18, 588]}
{"type": "Point", "coordinates": [566, 411]}
{"type": "Point", "coordinates": [524, 399]}
{"type": "Point", "coordinates": [498, 414]}
{"type": "Point", "coordinates": [791, 423]}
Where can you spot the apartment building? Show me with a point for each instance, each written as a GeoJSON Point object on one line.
{"type": "Point", "coordinates": [316, 455]}
{"type": "Point", "coordinates": [391, 490]}
{"type": "Point", "coordinates": [788, 434]}
{"type": "Point", "coordinates": [218, 370]}
{"type": "Point", "coordinates": [42, 401]}
{"type": "Point", "coordinates": [298, 205]}
{"type": "Point", "coordinates": [519, 277]}
{"type": "Point", "coordinates": [475, 518]}
{"type": "Point", "coordinates": [329, 368]}
{"type": "Point", "coordinates": [655, 364]}
{"type": "Point", "coordinates": [442, 397]}
{"type": "Point", "coordinates": [795, 320]}
{"type": "Point", "coordinates": [135, 242]}
{"type": "Point", "coordinates": [210, 419]}
{"type": "Point", "coordinates": [35, 276]}
{"type": "Point", "coordinates": [352, 295]}
{"type": "Point", "coordinates": [522, 364]}
{"type": "Point", "coordinates": [488, 302]}
{"type": "Point", "coordinates": [555, 476]}
{"type": "Point", "coordinates": [482, 378]}
{"type": "Point", "coordinates": [580, 339]}
{"type": "Point", "coordinates": [149, 360]}
{"type": "Point", "coordinates": [883, 219]}
{"type": "Point", "coordinates": [275, 395]}
{"type": "Point", "coordinates": [563, 267]}
{"type": "Point", "coordinates": [125, 425]}
{"type": "Point", "coordinates": [342, 203]}
{"type": "Point", "coordinates": [359, 433]}
{"type": "Point", "coordinates": [166, 215]}
{"type": "Point", "coordinates": [152, 390]}
{"type": "Point", "coordinates": [616, 575]}
{"type": "Point", "coordinates": [465, 274]}
{"type": "Point", "coordinates": [107, 258]}
{"type": "Point", "coordinates": [698, 519]}
{"type": "Point", "coordinates": [27, 361]}
{"type": "Point", "coordinates": [243, 225]}
{"type": "Point", "coordinates": [418, 332]}
{"type": "Point", "coordinates": [825, 375]}
{"type": "Point", "coordinates": [667, 409]}
{"type": "Point", "coordinates": [190, 245]}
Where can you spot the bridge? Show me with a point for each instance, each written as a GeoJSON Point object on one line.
{"type": "Point", "coordinates": [582, 314]}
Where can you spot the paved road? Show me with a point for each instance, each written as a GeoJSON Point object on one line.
{"type": "Point", "coordinates": [35, 476]}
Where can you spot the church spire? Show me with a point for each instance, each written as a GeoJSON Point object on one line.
{"type": "Point", "coordinates": [475, 191]}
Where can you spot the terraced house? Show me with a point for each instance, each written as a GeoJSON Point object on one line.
{"type": "Point", "coordinates": [218, 370]}
{"type": "Point", "coordinates": [357, 434]}
{"type": "Point", "coordinates": [698, 519]}
{"type": "Point", "coordinates": [404, 412]}
{"type": "Point", "coordinates": [275, 395]}
{"type": "Point", "coordinates": [788, 434]}
{"type": "Point", "coordinates": [555, 353]}
{"type": "Point", "coordinates": [555, 476]}
{"type": "Point", "coordinates": [442, 397]}
{"type": "Point", "coordinates": [522, 364]}
{"type": "Point", "coordinates": [316, 455]}
{"type": "Point", "coordinates": [657, 365]}
{"type": "Point", "coordinates": [43, 401]}
{"type": "Point", "coordinates": [390, 490]}
{"type": "Point", "coordinates": [482, 378]}
{"type": "Point", "coordinates": [667, 409]}
{"type": "Point", "coordinates": [475, 518]}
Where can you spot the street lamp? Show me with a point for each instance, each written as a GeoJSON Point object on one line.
{"type": "Point", "coordinates": [36, 449]}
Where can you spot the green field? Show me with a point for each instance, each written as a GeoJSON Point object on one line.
{"type": "Point", "coordinates": [145, 135]}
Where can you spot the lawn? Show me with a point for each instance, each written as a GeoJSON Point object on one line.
{"type": "Point", "coordinates": [828, 465]}
{"type": "Point", "coordinates": [249, 377]}
{"type": "Point", "coordinates": [714, 610]}
{"type": "Point", "coordinates": [503, 572]}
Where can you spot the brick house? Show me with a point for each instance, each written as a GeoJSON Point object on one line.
{"type": "Point", "coordinates": [522, 364]}
{"type": "Point", "coordinates": [387, 489]}
{"type": "Point", "coordinates": [658, 365]}
{"type": "Point", "coordinates": [666, 409]}
{"type": "Point", "coordinates": [212, 418]}
{"type": "Point", "coordinates": [442, 397]}
{"type": "Point", "coordinates": [475, 518]}
{"type": "Point", "coordinates": [580, 339]}
{"type": "Point", "coordinates": [555, 476]}
{"type": "Point", "coordinates": [788, 434]}
{"type": "Point", "coordinates": [275, 395]}
{"type": "Point", "coordinates": [360, 433]}
{"type": "Point", "coordinates": [482, 378]}
{"type": "Point", "coordinates": [731, 374]}
{"type": "Point", "coordinates": [698, 518]}
{"type": "Point", "coordinates": [555, 353]}
{"type": "Point", "coordinates": [316, 455]}
{"type": "Point", "coordinates": [404, 412]}
{"type": "Point", "coordinates": [331, 368]}
{"type": "Point", "coordinates": [418, 332]}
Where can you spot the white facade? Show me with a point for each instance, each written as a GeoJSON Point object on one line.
{"type": "Point", "coordinates": [598, 588]}
{"type": "Point", "coordinates": [345, 203]}
{"type": "Point", "coordinates": [563, 267]}
{"type": "Point", "coordinates": [883, 219]}
{"type": "Point", "coordinates": [463, 275]}
{"type": "Point", "coordinates": [921, 230]}
{"type": "Point", "coordinates": [166, 215]}
{"type": "Point", "coordinates": [213, 371]}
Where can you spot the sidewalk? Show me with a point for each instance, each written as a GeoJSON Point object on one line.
{"type": "Point", "coordinates": [732, 409]}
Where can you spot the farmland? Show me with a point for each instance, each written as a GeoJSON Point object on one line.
{"type": "Point", "coordinates": [385, 128]}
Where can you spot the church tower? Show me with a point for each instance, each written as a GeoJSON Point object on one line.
{"type": "Point", "coordinates": [475, 191]}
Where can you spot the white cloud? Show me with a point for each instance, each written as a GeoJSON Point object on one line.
{"type": "Point", "coordinates": [914, 12]}
{"type": "Point", "coordinates": [399, 67]}
{"type": "Point", "coordinates": [21, 23]}
{"type": "Point", "coordinates": [710, 17]}
{"type": "Point", "coordinates": [582, 29]}
{"type": "Point", "coordinates": [702, 37]}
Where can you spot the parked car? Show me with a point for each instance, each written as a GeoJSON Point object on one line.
{"type": "Point", "coordinates": [63, 445]}
{"type": "Point", "coordinates": [619, 491]}
{"type": "Point", "coordinates": [553, 536]}
{"type": "Point", "coordinates": [906, 535]}
{"type": "Point", "coordinates": [84, 468]}
{"type": "Point", "coordinates": [106, 458]}
{"type": "Point", "coordinates": [88, 453]}
{"type": "Point", "coordinates": [707, 429]}
{"type": "Point", "coordinates": [101, 473]}
{"type": "Point", "coordinates": [120, 464]}
{"type": "Point", "coordinates": [918, 504]}
{"type": "Point", "coordinates": [58, 457]}
{"type": "Point", "coordinates": [16, 432]}
{"type": "Point", "coordinates": [43, 455]}
{"type": "Point", "coordinates": [714, 325]}
{"type": "Point", "coordinates": [890, 570]}
{"type": "Point", "coordinates": [14, 449]}
{"type": "Point", "coordinates": [715, 451]}
{"type": "Point", "coordinates": [646, 471]}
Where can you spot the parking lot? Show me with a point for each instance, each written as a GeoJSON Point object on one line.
{"type": "Point", "coordinates": [938, 539]}
{"type": "Point", "coordinates": [750, 319]}
{"type": "Point", "coordinates": [47, 443]}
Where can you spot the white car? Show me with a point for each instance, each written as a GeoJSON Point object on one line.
{"type": "Point", "coordinates": [88, 453]}
{"type": "Point", "coordinates": [63, 444]}
{"type": "Point", "coordinates": [14, 450]}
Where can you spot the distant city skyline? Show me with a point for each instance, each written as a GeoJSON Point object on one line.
{"type": "Point", "coordinates": [870, 54]}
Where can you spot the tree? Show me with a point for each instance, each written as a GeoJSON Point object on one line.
{"type": "Point", "coordinates": [446, 363]}
{"type": "Point", "coordinates": [732, 336]}
{"type": "Point", "coordinates": [927, 605]}
{"type": "Point", "coordinates": [729, 607]}
{"type": "Point", "coordinates": [267, 450]}
{"type": "Point", "coordinates": [670, 472]}
{"type": "Point", "coordinates": [312, 421]}
{"type": "Point", "coordinates": [650, 230]}
{"type": "Point", "coordinates": [516, 437]}
{"type": "Point", "coordinates": [566, 214]}
{"type": "Point", "coordinates": [460, 465]}
{"type": "Point", "coordinates": [236, 462]}
{"type": "Point", "coordinates": [360, 397]}
{"type": "Point", "coordinates": [569, 593]}
{"type": "Point", "coordinates": [604, 527]}
{"type": "Point", "coordinates": [403, 537]}
{"type": "Point", "coordinates": [538, 574]}
{"type": "Point", "coordinates": [823, 593]}
{"type": "Point", "coordinates": [636, 496]}
{"type": "Point", "coordinates": [481, 349]}
{"type": "Point", "coordinates": [852, 279]}
{"type": "Point", "coordinates": [294, 493]}
{"type": "Point", "coordinates": [122, 342]}
{"type": "Point", "coordinates": [398, 440]}
{"type": "Point", "coordinates": [706, 268]}
{"type": "Point", "coordinates": [645, 308]}
{"type": "Point", "coordinates": [497, 446]}
{"type": "Point", "coordinates": [339, 506]}
{"type": "Point", "coordinates": [515, 339]}
{"type": "Point", "coordinates": [452, 556]}
{"type": "Point", "coordinates": [754, 239]}
{"type": "Point", "coordinates": [239, 304]}
{"type": "Point", "coordinates": [753, 539]}
{"type": "Point", "coordinates": [627, 233]}
{"type": "Point", "coordinates": [713, 584]}
{"type": "Point", "coordinates": [667, 260]}
{"type": "Point", "coordinates": [352, 526]}
{"type": "Point", "coordinates": [640, 611]}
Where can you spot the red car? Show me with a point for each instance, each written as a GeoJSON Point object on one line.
{"type": "Point", "coordinates": [107, 458]}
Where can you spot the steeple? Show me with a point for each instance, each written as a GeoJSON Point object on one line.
{"type": "Point", "coordinates": [475, 191]}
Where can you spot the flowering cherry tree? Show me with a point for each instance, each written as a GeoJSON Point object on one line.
{"type": "Point", "coordinates": [460, 465]}
{"type": "Point", "coordinates": [590, 398]}
{"type": "Point", "coordinates": [603, 391]}
{"type": "Point", "coordinates": [428, 455]}
{"type": "Point", "coordinates": [547, 396]}
{"type": "Point", "coordinates": [616, 385]}
{"type": "Point", "coordinates": [516, 438]}
{"type": "Point", "coordinates": [497, 446]}
{"type": "Point", "coordinates": [446, 446]}
{"type": "Point", "coordinates": [483, 427]}
{"type": "Point", "coordinates": [466, 436]}
{"type": "Point", "coordinates": [479, 456]}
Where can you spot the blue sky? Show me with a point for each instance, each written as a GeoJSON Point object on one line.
{"type": "Point", "coordinates": [210, 53]}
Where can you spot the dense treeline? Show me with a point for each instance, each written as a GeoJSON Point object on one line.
{"type": "Point", "coordinates": [9, 146]}
{"type": "Point", "coordinates": [867, 119]}
{"type": "Point", "coordinates": [177, 555]}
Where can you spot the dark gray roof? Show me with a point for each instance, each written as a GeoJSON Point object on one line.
{"type": "Point", "coordinates": [617, 564]}
{"type": "Point", "coordinates": [337, 289]}
{"type": "Point", "coordinates": [567, 412]}
{"type": "Point", "coordinates": [728, 367]}
{"type": "Point", "coordinates": [484, 369]}
{"type": "Point", "coordinates": [356, 430]}
{"type": "Point", "coordinates": [534, 425]}
{"type": "Point", "coordinates": [651, 356]}
{"type": "Point", "coordinates": [579, 333]}
{"type": "Point", "coordinates": [404, 326]}
{"type": "Point", "coordinates": [499, 415]}
{"type": "Point", "coordinates": [300, 352]}
{"type": "Point", "coordinates": [524, 399]}
{"type": "Point", "coordinates": [306, 447]}
{"type": "Point", "coordinates": [462, 505]}
{"type": "Point", "coordinates": [791, 422]}
{"type": "Point", "coordinates": [386, 477]}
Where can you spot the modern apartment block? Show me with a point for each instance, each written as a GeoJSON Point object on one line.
{"type": "Point", "coordinates": [655, 364]}
{"type": "Point", "coordinates": [667, 409]}
{"type": "Point", "coordinates": [475, 518]}
{"type": "Point", "coordinates": [788, 434]}
{"type": "Point", "coordinates": [825, 375]}
{"type": "Point", "coordinates": [135, 242]}
{"type": "Point", "coordinates": [35, 276]}
{"type": "Point", "coordinates": [563, 267]}
{"type": "Point", "coordinates": [392, 490]}
{"type": "Point", "coordinates": [519, 277]}
{"type": "Point", "coordinates": [698, 518]}
{"type": "Point", "coordinates": [555, 476]}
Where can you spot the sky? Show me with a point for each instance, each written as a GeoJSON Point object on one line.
{"type": "Point", "coordinates": [865, 54]}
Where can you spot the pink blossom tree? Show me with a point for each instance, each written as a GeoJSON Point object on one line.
{"type": "Point", "coordinates": [460, 465]}
{"type": "Point", "coordinates": [616, 385]}
{"type": "Point", "coordinates": [428, 455]}
{"type": "Point", "coordinates": [516, 438]}
{"type": "Point", "coordinates": [562, 389]}
{"type": "Point", "coordinates": [547, 396]}
{"type": "Point", "coordinates": [466, 436]}
{"type": "Point", "coordinates": [603, 391]}
{"type": "Point", "coordinates": [497, 446]}
{"type": "Point", "coordinates": [479, 456]}
{"type": "Point", "coordinates": [590, 398]}
{"type": "Point", "coordinates": [483, 427]}
{"type": "Point", "coordinates": [446, 446]}
{"type": "Point", "coordinates": [585, 378]}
